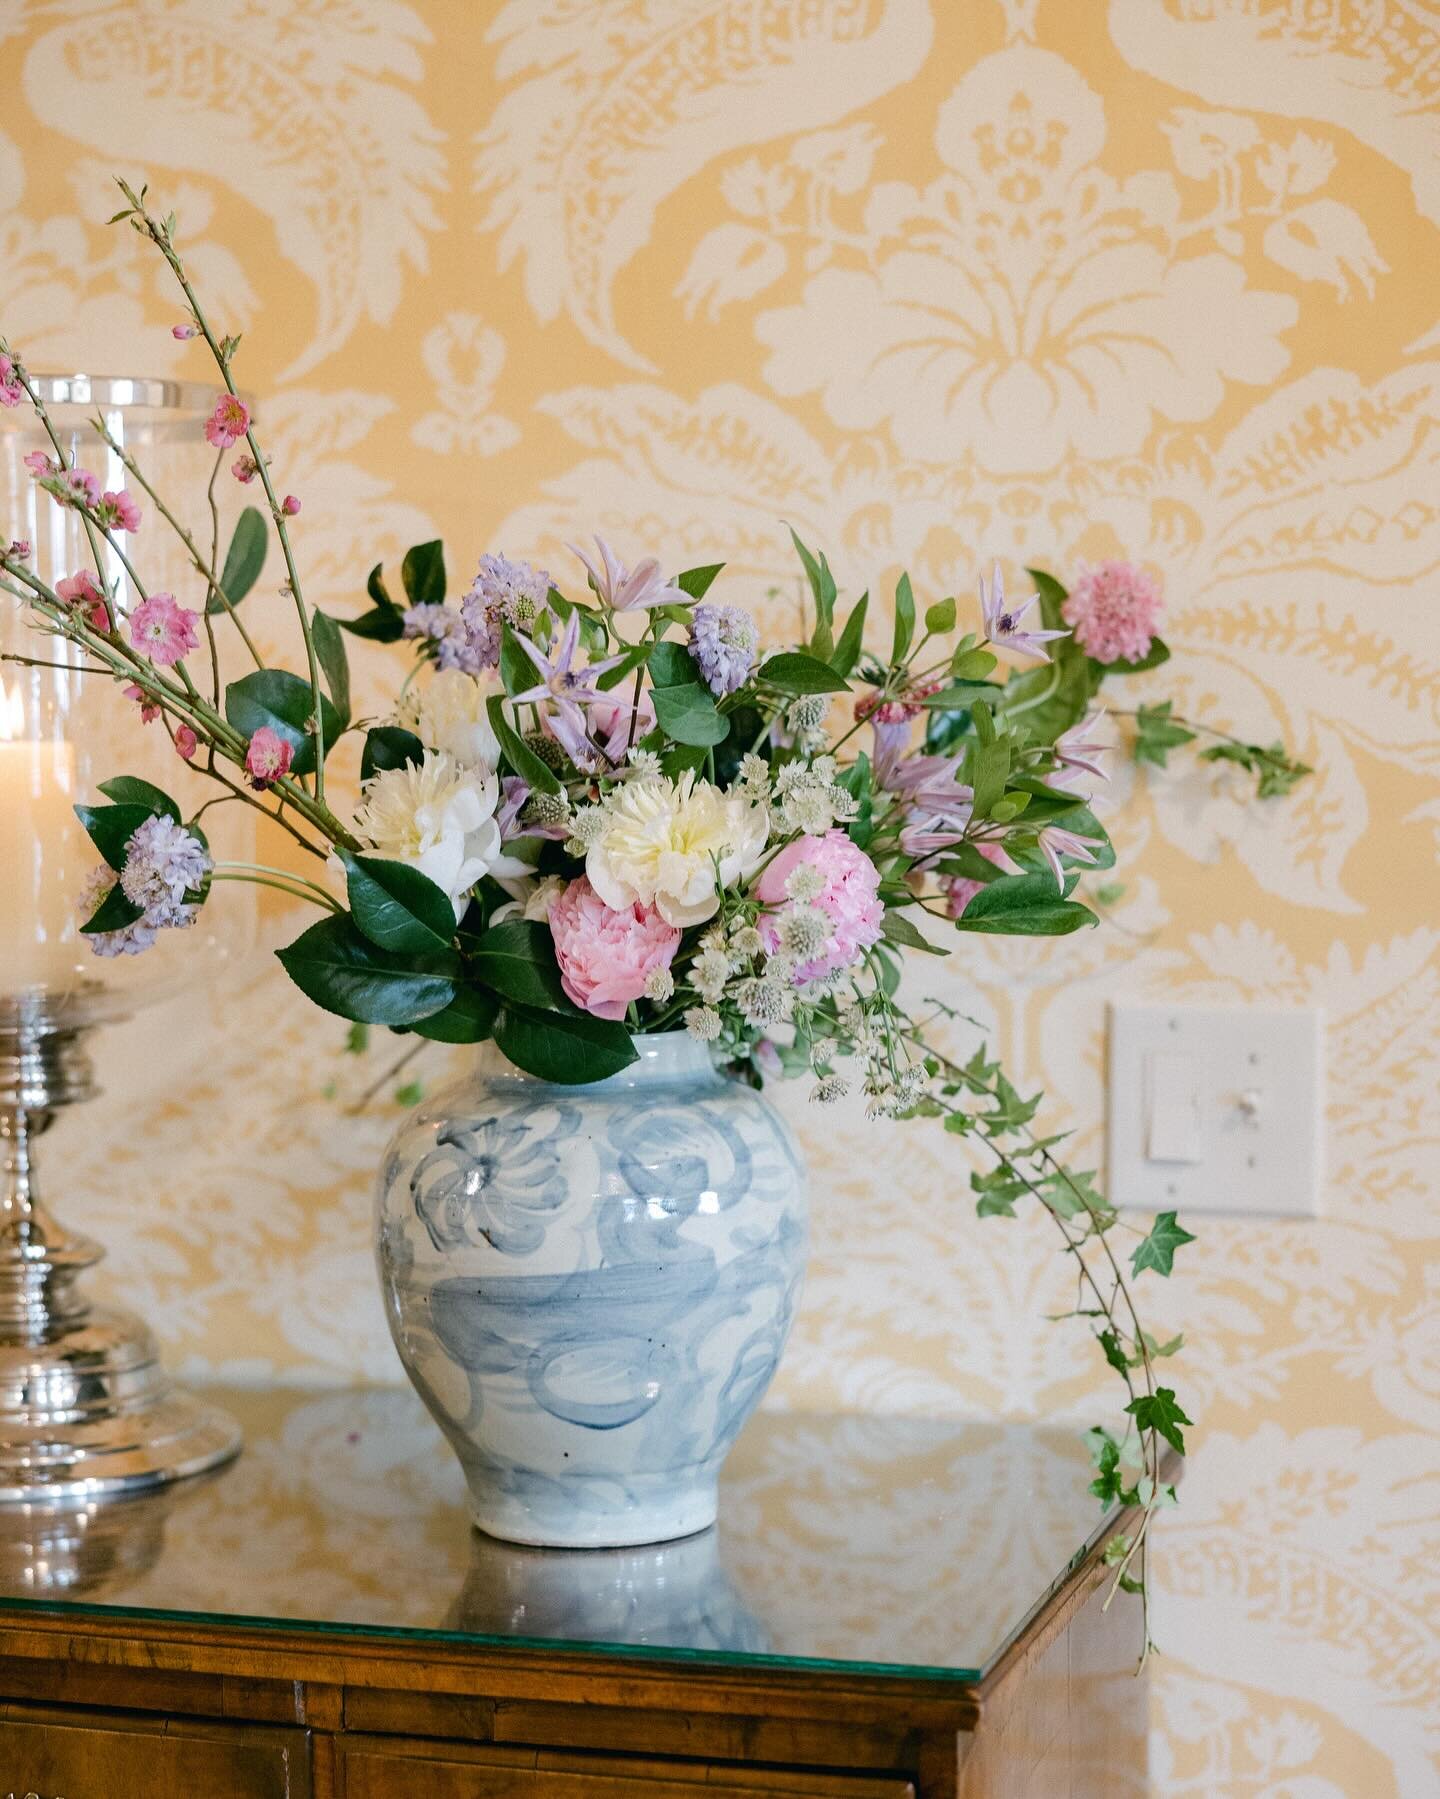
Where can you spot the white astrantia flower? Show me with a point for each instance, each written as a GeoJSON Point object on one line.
{"type": "Point", "coordinates": [663, 842]}
{"type": "Point", "coordinates": [438, 816]}
{"type": "Point", "coordinates": [447, 713]}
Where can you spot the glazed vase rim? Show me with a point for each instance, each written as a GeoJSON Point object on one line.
{"type": "Point", "coordinates": [673, 1055]}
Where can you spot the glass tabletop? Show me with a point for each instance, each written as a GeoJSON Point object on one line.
{"type": "Point", "coordinates": [893, 1545]}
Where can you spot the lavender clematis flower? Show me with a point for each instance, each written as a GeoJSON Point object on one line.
{"type": "Point", "coordinates": [1078, 752]}
{"type": "Point", "coordinates": [626, 589]}
{"type": "Point", "coordinates": [1055, 841]}
{"type": "Point", "coordinates": [1002, 626]}
{"type": "Point", "coordinates": [567, 690]}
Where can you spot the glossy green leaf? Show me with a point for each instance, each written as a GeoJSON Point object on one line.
{"type": "Point", "coordinates": [1157, 655]}
{"type": "Point", "coordinates": [132, 791]}
{"type": "Point", "coordinates": [793, 672]}
{"type": "Point", "coordinates": [469, 1018]}
{"type": "Point", "coordinates": [112, 914]}
{"type": "Point", "coordinates": [852, 638]}
{"type": "Point", "coordinates": [897, 928]}
{"type": "Point", "coordinates": [244, 560]}
{"type": "Point", "coordinates": [334, 663]}
{"type": "Point", "coordinates": [1159, 1411]}
{"type": "Point", "coordinates": [389, 746]}
{"type": "Point", "coordinates": [517, 753]}
{"type": "Point", "coordinates": [568, 1048]}
{"type": "Point", "coordinates": [110, 828]}
{"type": "Point", "coordinates": [1023, 906]}
{"type": "Point", "coordinates": [422, 574]}
{"type": "Point", "coordinates": [517, 959]}
{"type": "Point", "coordinates": [697, 581]}
{"type": "Point", "coordinates": [517, 672]}
{"type": "Point", "coordinates": [672, 665]}
{"type": "Point", "coordinates": [274, 697]}
{"type": "Point", "coordinates": [904, 621]}
{"type": "Point", "coordinates": [688, 715]}
{"type": "Point", "coordinates": [397, 906]}
{"type": "Point", "coordinates": [1157, 1249]}
{"type": "Point", "coordinates": [341, 970]}
{"type": "Point", "coordinates": [940, 618]}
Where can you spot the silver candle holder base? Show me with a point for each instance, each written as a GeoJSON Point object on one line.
{"type": "Point", "coordinates": [86, 1410]}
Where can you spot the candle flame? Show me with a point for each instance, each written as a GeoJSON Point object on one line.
{"type": "Point", "coordinates": [12, 713]}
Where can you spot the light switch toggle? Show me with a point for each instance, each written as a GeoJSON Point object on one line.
{"type": "Point", "coordinates": [1172, 1120]}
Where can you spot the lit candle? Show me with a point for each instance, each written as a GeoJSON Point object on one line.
{"type": "Point", "coordinates": [41, 857]}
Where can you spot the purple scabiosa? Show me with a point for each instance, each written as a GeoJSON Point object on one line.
{"type": "Point", "coordinates": [723, 643]}
{"type": "Point", "coordinates": [131, 939]}
{"type": "Point", "coordinates": [455, 647]}
{"type": "Point", "coordinates": [163, 862]}
{"type": "Point", "coordinates": [1002, 622]}
{"type": "Point", "coordinates": [502, 593]}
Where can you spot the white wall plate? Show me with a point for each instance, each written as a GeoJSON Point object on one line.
{"type": "Point", "coordinates": [1215, 1109]}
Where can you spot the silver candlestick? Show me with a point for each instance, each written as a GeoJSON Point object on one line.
{"type": "Point", "coordinates": [85, 1407]}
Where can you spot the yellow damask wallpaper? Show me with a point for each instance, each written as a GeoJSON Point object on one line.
{"type": "Point", "coordinates": [934, 280]}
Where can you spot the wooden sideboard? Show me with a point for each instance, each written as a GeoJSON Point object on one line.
{"type": "Point", "coordinates": [117, 1694]}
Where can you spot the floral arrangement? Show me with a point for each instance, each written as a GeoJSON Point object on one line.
{"type": "Point", "coordinates": [607, 811]}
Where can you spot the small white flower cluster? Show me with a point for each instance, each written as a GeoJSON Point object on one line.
{"type": "Point", "coordinates": [808, 798]}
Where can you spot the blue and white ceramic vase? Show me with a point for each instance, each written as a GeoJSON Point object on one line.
{"type": "Point", "coordinates": [590, 1287]}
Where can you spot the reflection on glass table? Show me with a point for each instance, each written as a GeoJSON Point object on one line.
{"type": "Point", "coordinates": [899, 1543]}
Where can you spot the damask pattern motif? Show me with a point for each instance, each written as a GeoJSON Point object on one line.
{"type": "Point", "coordinates": [932, 283]}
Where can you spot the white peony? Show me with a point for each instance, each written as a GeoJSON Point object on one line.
{"type": "Point", "coordinates": [438, 816]}
{"type": "Point", "coordinates": [448, 714]}
{"type": "Point", "coordinates": [661, 842]}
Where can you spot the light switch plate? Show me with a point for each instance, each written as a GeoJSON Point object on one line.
{"type": "Point", "coordinates": [1215, 1109]}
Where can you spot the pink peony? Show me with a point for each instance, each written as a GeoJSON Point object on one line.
{"type": "Point", "coordinates": [1114, 611]}
{"type": "Point", "coordinates": [849, 899]}
{"type": "Point", "coordinates": [606, 956]}
{"type": "Point", "coordinates": [186, 742]}
{"type": "Point", "coordinates": [80, 590]}
{"type": "Point", "coordinates": [162, 630]}
{"type": "Point", "coordinates": [268, 757]}
{"type": "Point", "coordinates": [228, 423]}
{"type": "Point", "coordinates": [119, 509]}
{"type": "Point", "coordinates": [959, 890]}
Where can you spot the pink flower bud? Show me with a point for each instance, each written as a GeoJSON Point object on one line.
{"type": "Point", "coordinates": [20, 548]}
{"type": "Point", "coordinates": [290, 505]}
{"type": "Point", "coordinates": [186, 742]}
{"type": "Point", "coordinates": [183, 332]}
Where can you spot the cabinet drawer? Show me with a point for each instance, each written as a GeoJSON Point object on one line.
{"type": "Point", "coordinates": [112, 1755]}
{"type": "Point", "coordinates": [381, 1769]}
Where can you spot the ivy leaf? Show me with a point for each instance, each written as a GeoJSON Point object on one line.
{"type": "Point", "coordinates": [1114, 1353]}
{"type": "Point", "coordinates": [696, 581]}
{"type": "Point", "coordinates": [131, 790]}
{"type": "Point", "coordinates": [1156, 736]}
{"type": "Point", "coordinates": [1158, 1411]}
{"type": "Point", "coordinates": [397, 906]}
{"type": "Point", "coordinates": [243, 560]}
{"type": "Point", "coordinates": [422, 574]}
{"type": "Point", "coordinates": [517, 959]}
{"type": "Point", "coordinates": [389, 746]}
{"type": "Point", "coordinates": [338, 968]}
{"type": "Point", "coordinates": [793, 672]}
{"type": "Point", "coordinates": [568, 1048]}
{"type": "Point", "coordinates": [1157, 1251]}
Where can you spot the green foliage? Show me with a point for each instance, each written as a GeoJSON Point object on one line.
{"type": "Point", "coordinates": [1275, 772]}
{"type": "Point", "coordinates": [396, 906]}
{"type": "Point", "coordinates": [852, 639]}
{"type": "Point", "coordinates": [518, 754]}
{"type": "Point", "coordinates": [469, 1018]}
{"type": "Point", "coordinates": [897, 928]}
{"type": "Point", "coordinates": [110, 828]}
{"type": "Point", "coordinates": [697, 581]}
{"type": "Point", "coordinates": [342, 971]}
{"type": "Point", "coordinates": [274, 697]}
{"type": "Point", "coordinates": [793, 672]}
{"type": "Point", "coordinates": [822, 587]}
{"type": "Point", "coordinates": [244, 560]}
{"type": "Point", "coordinates": [112, 914]}
{"type": "Point", "coordinates": [1023, 906]}
{"type": "Point", "coordinates": [517, 959]}
{"type": "Point", "coordinates": [388, 746]}
{"type": "Point", "coordinates": [1156, 735]}
{"type": "Point", "coordinates": [672, 665]}
{"type": "Point", "coordinates": [334, 663]}
{"type": "Point", "coordinates": [904, 621]}
{"type": "Point", "coordinates": [1157, 1250]}
{"type": "Point", "coordinates": [569, 1048]}
{"type": "Point", "coordinates": [1155, 657]}
{"type": "Point", "coordinates": [130, 790]}
{"type": "Point", "coordinates": [422, 574]}
{"type": "Point", "coordinates": [940, 618]}
{"type": "Point", "coordinates": [517, 672]}
{"type": "Point", "coordinates": [689, 715]}
{"type": "Point", "coordinates": [384, 623]}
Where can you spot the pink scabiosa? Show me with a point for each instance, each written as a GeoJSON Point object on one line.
{"type": "Point", "coordinates": [228, 423]}
{"type": "Point", "coordinates": [118, 511]}
{"type": "Point", "coordinates": [606, 955]}
{"type": "Point", "coordinates": [80, 591]}
{"type": "Point", "coordinates": [1114, 610]}
{"type": "Point", "coordinates": [268, 756]}
{"type": "Point", "coordinates": [831, 876]}
{"type": "Point", "coordinates": [162, 630]}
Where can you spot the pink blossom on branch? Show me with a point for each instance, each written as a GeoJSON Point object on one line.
{"type": "Point", "coordinates": [290, 505]}
{"type": "Point", "coordinates": [81, 591]}
{"type": "Point", "coordinates": [11, 392]}
{"type": "Point", "coordinates": [606, 955]}
{"type": "Point", "coordinates": [182, 333]}
{"type": "Point", "coordinates": [245, 469]}
{"type": "Point", "coordinates": [228, 423]}
{"type": "Point", "coordinates": [149, 711]}
{"type": "Point", "coordinates": [118, 511]}
{"type": "Point", "coordinates": [186, 743]}
{"type": "Point", "coordinates": [162, 630]}
{"type": "Point", "coordinates": [39, 463]}
{"type": "Point", "coordinates": [1114, 610]}
{"type": "Point", "coordinates": [268, 758]}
